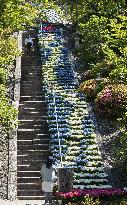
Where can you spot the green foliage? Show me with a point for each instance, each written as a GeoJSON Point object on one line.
{"type": "Point", "coordinates": [89, 87]}
{"type": "Point", "coordinates": [8, 51]}
{"type": "Point", "coordinates": [123, 202]}
{"type": "Point", "coordinates": [93, 32]}
{"type": "Point", "coordinates": [119, 75]}
{"type": "Point", "coordinates": [2, 76]}
{"type": "Point", "coordinates": [8, 113]}
{"type": "Point", "coordinates": [87, 201]}
{"type": "Point", "coordinates": [90, 201]}
{"type": "Point", "coordinates": [121, 151]}
{"type": "Point", "coordinates": [15, 15]}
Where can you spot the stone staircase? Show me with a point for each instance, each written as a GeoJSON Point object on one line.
{"type": "Point", "coordinates": [33, 137]}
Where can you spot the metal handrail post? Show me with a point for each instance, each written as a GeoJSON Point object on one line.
{"type": "Point", "coordinates": [60, 152]}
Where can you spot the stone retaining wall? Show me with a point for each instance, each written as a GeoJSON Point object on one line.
{"type": "Point", "coordinates": [8, 143]}
{"type": "Point", "coordinates": [12, 173]}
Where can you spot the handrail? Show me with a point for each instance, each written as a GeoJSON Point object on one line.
{"type": "Point", "coordinates": [60, 152]}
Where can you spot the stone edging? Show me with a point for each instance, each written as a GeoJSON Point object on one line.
{"type": "Point", "coordinates": [12, 172]}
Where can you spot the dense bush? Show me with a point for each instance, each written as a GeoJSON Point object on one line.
{"type": "Point", "coordinates": [14, 16]}
{"type": "Point", "coordinates": [92, 87]}
{"type": "Point", "coordinates": [119, 75]}
{"type": "Point", "coordinates": [89, 87]}
{"type": "Point", "coordinates": [88, 74]}
{"type": "Point", "coordinates": [112, 100]}
{"type": "Point", "coordinates": [87, 201]}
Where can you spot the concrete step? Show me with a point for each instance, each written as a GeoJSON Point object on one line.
{"type": "Point", "coordinates": [31, 92]}
{"type": "Point", "coordinates": [32, 112]}
{"type": "Point", "coordinates": [33, 146]}
{"type": "Point", "coordinates": [34, 190]}
{"type": "Point", "coordinates": [32, 162]}
{"type": "Point", "coordinates": [33, 67]}
{"type": "Point", "coordinates": [33, 152]}
{"type": "Point", "coordinates": [30, 116]}
{"type": "Point", "coordinates": [28, 180]}
{"type": "Point", "coordinates": [28, 77]}
{"type": "Point", "coordinates": [26, 89]}
{"type": "Point", "coordinates": [28, 142]}
{"type": "Point", "coordinates": [31, 82]}
{"type": "Point", "coordinates": [29, 200]}
{"type": "Point", "coordinates": [31, 63]}
{"type": "Point", "coordinates": [33, 135]}
{"type": "Point", "coordinates": [33, 97]}
{"type": "Point", "coordinates": [33, 125]}
{"type": "Point", "coordinates": [31, 167]}
{"type": "Point", "coordinates": [33, 122]}
{"type": "Point", "coordinates": [33, 138]}
{"type": "Point", "coordinates": [25, 201]}
{"type": "Point", "coordinates": [33, 141]}
{"type": "Point", "coordinates": [28, 174]}
{"type": "Point", "coordinates": [37, 158]}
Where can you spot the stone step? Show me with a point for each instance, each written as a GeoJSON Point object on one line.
{"type": "Point", "coordinates": [34, 97]}
{"type": "Point", "coordinates": [32, 130]}
{"type": "Point", "coordinates": [33, 141]}
{"type": "Point", "coordinates": [32, 73]}
{"type": "Point", "coordinates": [33, 152]}
{"type": "Point", "coordinates": [29, 116]}
{"type": "Point", "coordinates": [31, 112]}
{"type": "Point", "coordinates": [38, 111]}
{"type": "Point", "coordinates": [32, 135]}
{"type": "Point", "coordinates": [36, 77]}
{"type": "Point", "coordinates": [28, 174]}
{"type": "Point", "coordinates": [32, 60]}
{"type": "Point", "coordinates": [29, 200]}
{"type": "Point", "coordinates": [33, 125]}
{"type": "Point", "coordinates": [33, 180]}
{"type": "Point", "coordinates": [30, 167]}
{"type": "Point", "coordinates": [28, 77]}
{"type": "Point", "coordinates": [29, 190]}
{"type": "Point", "coordinates": [32, 92]}
{"type": "Point", "coordinates": [33, 103]}
{"type": "Point", "coordinates": [22, 200]}
{"type": "Point", "coordinates": [34, 68]}
{"type": "Point", "coordinates": [33, 122]}
{"type": "Point", "coordinates": [31, 70]}
{"type": "Point", "coordinates": [31, 57]}
{"type": "Point", "coordinates": [31, 63]}
{"type": "Point", "coordinates": [33, 146]}
{"type": "Point", "coordinates": [32, 82]}
{"type": "Point", "coordinates": [31, 162]}
{"type": "Point", "coordinates": [26, 89]}
{"type": "Point", "coordinates": [37, 158]}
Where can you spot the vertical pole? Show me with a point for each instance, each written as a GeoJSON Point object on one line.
{"type": "Point", "coordinates": [61, 160]}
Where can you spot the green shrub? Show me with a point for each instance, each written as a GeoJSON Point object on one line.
{"type": "Point", "coordinates": [119, 75]}
{"type": "Point", "coordinates": [89, 74]}
{"type": "Point", "coordinates": [3, 76]}
{"type": "Point", "coordinates": [87, 201]}
{"type": "Point", "coordinates": [89, 88]}
{"type": "Point", "coordinates": [123, 203]}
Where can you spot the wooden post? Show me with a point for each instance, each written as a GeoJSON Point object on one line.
{"type": "Point", "coordinates": [65, 179]}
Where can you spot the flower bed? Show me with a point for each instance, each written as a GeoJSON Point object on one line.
{"type": "Point", "coordinates": [103, 194]}
{"type": "Point", "coordinates": [71, 128]}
